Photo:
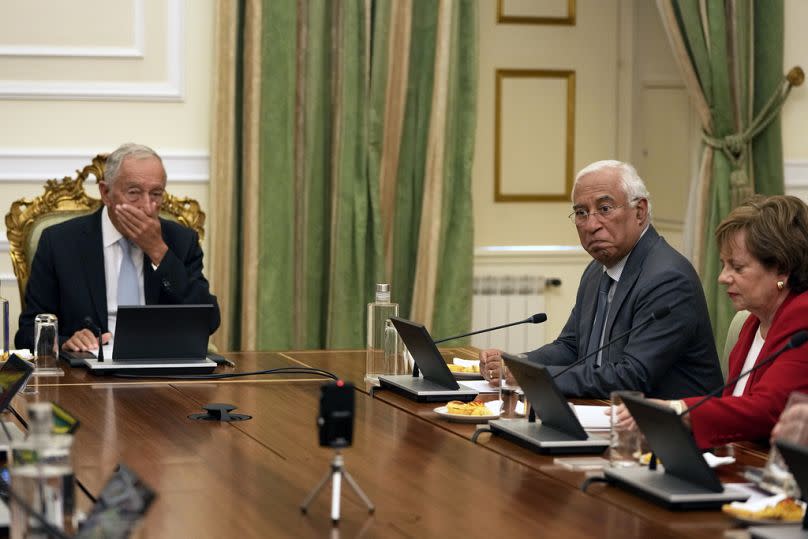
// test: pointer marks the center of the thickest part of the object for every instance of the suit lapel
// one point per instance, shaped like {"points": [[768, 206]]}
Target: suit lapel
{"points": [[91, 249], [631, 272], [774, 340]]}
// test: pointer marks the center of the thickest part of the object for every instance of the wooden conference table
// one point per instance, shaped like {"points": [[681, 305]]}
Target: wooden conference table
{"points": [[425, 476]]}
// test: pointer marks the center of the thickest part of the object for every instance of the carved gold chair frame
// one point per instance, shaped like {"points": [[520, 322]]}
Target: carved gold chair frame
{"points": [[66, 198]]}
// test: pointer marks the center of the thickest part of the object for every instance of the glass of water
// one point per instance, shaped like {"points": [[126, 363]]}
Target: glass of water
{"points": [[625, 444], [511, 397], [776, 477], [46, 345]]}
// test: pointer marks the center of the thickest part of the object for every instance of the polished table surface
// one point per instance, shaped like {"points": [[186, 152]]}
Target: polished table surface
{"points": [[423, 473]]}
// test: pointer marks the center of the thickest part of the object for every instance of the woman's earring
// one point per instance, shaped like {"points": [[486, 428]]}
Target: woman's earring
{"points": [[781, 285]]}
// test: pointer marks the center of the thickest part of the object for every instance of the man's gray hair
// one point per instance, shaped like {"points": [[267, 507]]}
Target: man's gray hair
{"points": [[130, 149], [632, 184]]}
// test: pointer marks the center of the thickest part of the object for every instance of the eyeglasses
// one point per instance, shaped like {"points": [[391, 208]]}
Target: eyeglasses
{"points": [[604, 212]]}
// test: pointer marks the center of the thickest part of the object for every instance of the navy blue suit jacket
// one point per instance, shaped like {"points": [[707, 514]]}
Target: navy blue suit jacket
{"points": [[67, 277], [670, 358]]}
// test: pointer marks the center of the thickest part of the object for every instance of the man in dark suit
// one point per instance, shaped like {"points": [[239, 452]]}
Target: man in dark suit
{"points": [[634, 273], [121, 254]]}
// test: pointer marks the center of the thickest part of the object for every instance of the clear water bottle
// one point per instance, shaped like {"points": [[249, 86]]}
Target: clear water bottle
{"points": [[41, 478], [384, 350]]}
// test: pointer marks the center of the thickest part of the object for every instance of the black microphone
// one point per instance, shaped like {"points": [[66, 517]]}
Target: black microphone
{"points": [[89, 324], [796, 340], [537, 318], [660, 313]]}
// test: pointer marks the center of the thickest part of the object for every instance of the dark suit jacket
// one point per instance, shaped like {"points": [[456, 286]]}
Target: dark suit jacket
{"points": [[673, 357], [67, 276], [753, 415]]}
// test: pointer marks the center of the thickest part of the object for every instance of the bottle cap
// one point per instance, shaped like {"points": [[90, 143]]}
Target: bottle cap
{"points": [[40, 415], [382, 292]]}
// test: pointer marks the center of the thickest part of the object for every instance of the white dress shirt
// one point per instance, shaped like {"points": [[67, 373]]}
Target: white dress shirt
{"points": [[113, 253], [751, 358]]}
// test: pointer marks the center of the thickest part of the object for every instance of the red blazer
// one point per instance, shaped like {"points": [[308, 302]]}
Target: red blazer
{"points": [[753, 415]]}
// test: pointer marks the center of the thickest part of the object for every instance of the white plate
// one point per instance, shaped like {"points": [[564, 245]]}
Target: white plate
{"points": [[441, 411], [765, 522]]}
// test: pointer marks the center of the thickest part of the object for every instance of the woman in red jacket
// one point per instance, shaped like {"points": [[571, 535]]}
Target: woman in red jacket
{"points": [[764, 255]]}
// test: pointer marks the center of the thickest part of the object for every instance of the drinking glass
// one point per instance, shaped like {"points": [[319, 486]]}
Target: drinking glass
{"points": [[46, 345], [776, 477], [511, 397], [625, 445]]}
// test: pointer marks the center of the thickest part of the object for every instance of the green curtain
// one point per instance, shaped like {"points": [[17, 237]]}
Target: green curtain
{"points": [[330, 161], [731, 55]]}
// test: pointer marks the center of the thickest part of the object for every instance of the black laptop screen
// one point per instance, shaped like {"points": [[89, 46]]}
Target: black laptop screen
{"points": [[161, 332], [13, 375]]}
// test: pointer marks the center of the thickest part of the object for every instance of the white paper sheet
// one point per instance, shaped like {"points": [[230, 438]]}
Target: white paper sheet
{"points": [[592, 417], [480, 386]]}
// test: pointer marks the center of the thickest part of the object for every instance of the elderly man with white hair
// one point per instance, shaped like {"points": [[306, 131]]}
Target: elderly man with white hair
{"points": [[634, 274], [122, 254]]}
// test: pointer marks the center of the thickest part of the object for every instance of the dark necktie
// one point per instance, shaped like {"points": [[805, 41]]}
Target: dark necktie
{"points": [[601, 311]]}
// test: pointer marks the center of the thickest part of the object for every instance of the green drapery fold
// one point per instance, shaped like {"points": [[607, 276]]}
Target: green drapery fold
{"points": [[336, 119], [457, 241], [732, 52]]}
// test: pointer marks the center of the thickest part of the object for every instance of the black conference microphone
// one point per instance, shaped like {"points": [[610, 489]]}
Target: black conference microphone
{"points": [[796, 340], [537, 318], [660, 313], [89, 324]]}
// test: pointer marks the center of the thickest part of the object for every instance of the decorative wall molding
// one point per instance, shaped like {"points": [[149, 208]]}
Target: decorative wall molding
{"points": [[527, 257], [170, 89], [796, 173], [662, 84], [40, 165], [56, 51]]}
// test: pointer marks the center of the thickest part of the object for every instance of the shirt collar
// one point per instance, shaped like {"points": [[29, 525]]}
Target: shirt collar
{"points": [[109, 234], [617, 270]]}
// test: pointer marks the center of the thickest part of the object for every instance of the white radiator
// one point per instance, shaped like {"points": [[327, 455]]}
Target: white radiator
{"points": [[503, 299]]}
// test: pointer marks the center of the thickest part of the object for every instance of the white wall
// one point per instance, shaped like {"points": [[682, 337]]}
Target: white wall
{"points": [[795, 111], [92, 74], [632, 105]]}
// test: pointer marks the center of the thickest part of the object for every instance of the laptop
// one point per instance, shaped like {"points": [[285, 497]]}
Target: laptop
{"points": [[560, 431], [14, 374], [687, 482], [157, 339], [796, 458], [438, 384]]}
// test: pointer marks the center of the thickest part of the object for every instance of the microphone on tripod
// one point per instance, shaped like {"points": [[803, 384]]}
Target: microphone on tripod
{"points": [[537, 318], [796, 340], [89, 324], [659, 314]]}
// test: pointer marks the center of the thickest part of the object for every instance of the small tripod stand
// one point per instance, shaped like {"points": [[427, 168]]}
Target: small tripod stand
{"points": [[335, 475]]}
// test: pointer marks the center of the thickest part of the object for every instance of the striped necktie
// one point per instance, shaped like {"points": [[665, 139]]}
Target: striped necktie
{"points": [[601, 311]]}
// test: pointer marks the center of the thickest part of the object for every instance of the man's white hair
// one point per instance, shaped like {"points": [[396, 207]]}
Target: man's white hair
{"points": [[114, 160], [630, 181]]}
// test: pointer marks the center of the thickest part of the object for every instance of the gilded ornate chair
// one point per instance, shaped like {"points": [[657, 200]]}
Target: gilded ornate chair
{"points": [[66, 198], [732, 337]]}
